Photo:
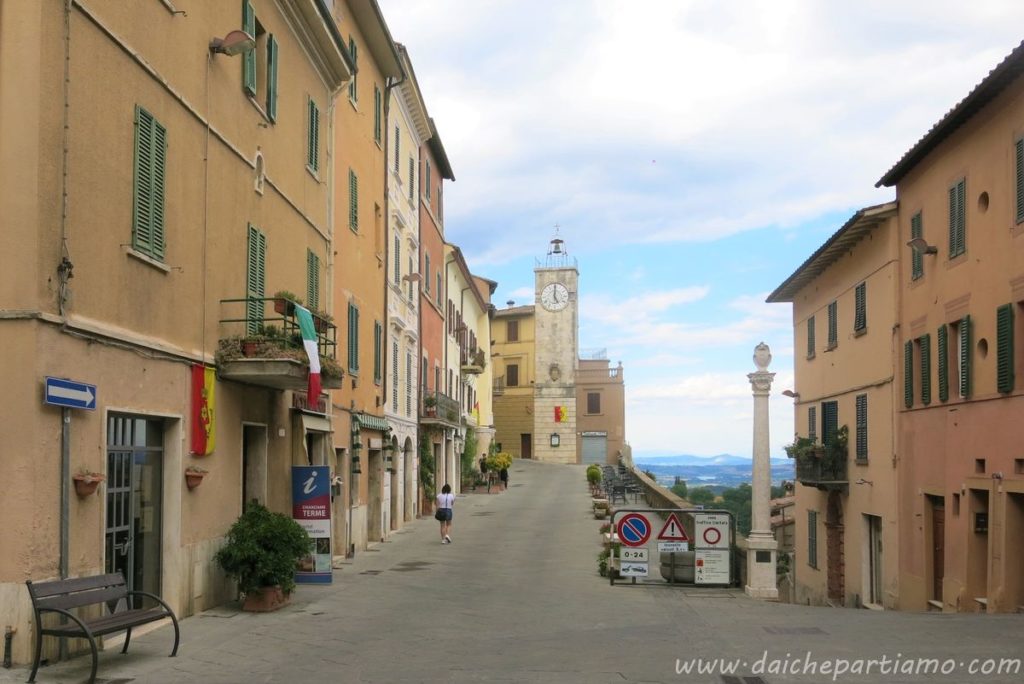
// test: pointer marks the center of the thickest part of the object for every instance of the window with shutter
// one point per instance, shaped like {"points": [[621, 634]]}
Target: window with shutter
{"points": [[353, 338], [426, 273], [908, 374], [512, 375], [249, 57], [957, 219], [812, 539], [427, 184], [377, 127], [833, 325], [312, 280], [810, 337], [353, 200], [829, 420], [965, 356], [272, 78], [943, 353], [150, 174], [313, 136], [353, 88], [398, 147], [1004, 348], [593, 402], [397, 273], [408, 383], [925, 342], [860, 316], [439, 295], [1020, 179], [812, 423], [412, 179], [378, 342], [394, 376], [512, 331], [862, 427], [916, 258], [255, 279]]}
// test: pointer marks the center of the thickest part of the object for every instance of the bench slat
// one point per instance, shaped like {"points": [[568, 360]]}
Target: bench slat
{"points": [[116, 622], [83, 598], [67, 586]]}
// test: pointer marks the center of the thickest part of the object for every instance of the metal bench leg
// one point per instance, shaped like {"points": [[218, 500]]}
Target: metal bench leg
{"points": [[39, 653], [177, 636], [127, 638], [95, 658]]}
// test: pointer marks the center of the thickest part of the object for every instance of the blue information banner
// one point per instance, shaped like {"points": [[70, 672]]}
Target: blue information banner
{"points": [[311, 508]]}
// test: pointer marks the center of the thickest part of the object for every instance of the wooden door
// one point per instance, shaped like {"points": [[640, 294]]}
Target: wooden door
{"points": [[939, 550], [526, 445]]}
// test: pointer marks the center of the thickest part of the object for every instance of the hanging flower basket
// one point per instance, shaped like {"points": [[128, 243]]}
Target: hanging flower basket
{"points": [[194, 476], [87, 483]]}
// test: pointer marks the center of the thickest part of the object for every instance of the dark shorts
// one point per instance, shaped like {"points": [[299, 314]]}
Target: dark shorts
{"points": [[447, 514]]}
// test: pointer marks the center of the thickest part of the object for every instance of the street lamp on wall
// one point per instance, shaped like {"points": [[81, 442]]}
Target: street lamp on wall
{"points": [[234, 43], [921, 246]]}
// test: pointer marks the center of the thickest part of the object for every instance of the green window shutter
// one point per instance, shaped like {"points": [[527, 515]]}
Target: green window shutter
{"points": [[812, 423], [833, 324], [408, 383], [810, 337], [829, 419], [426, 274], [860, 317], [965, 357], [926, 368], [427, 191], [150, 166], [255, 279], [312, 280], [353, 89], [916, 258], [943, 351], [357, 339], [398, 147], [313, 137], [1004, 348], [412, 179], [812, 539], [862, 427], [378, 335], [272, 78], [394, 376], [353, 200], [957, 219], [1020, 180], [351, 338], [398, 261], [249, 58], [908, 374], [376, 113]]}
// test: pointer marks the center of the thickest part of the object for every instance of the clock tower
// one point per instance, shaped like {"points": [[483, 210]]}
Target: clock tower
{"points": [[557, 354]]}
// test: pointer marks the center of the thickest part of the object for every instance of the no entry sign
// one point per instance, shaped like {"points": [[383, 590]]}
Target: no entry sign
{"points": [[634, 529]]}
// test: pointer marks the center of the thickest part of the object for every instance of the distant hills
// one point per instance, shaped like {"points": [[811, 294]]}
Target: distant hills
{"points": [[724, 470]]}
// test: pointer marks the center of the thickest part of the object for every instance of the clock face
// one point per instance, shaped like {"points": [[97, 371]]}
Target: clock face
{"points": [[554, 297]]}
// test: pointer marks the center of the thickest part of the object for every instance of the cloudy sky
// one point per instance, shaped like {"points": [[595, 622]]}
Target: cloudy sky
{"points": [[693, 153]]}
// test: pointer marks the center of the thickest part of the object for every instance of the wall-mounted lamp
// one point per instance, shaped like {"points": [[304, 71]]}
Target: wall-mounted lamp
{"points": [[863, 481], [556, 440], [235, 43], [791, 394], [921, 246], [412, 277]]}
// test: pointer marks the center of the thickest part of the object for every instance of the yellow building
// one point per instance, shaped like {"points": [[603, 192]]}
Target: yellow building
{"points": [[512, 335], [844, 326], [152, 202], [482, 411], [359, 273]]}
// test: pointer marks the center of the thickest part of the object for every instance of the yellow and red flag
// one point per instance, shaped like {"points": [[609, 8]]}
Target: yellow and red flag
{"points": [[203, 383], [561, 413]]}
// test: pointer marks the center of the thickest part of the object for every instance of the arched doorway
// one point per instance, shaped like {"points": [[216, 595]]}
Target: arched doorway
{"points": [[834, 540], [396, 491], [409, 476]]}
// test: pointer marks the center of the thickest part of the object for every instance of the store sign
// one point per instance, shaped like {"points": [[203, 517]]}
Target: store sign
{"points": [[311, 508]]}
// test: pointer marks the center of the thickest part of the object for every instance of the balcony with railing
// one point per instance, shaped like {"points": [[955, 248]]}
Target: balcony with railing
{"points": [[498, 386], [824, 468], [438, 409], [473, 363], [267, 350]]}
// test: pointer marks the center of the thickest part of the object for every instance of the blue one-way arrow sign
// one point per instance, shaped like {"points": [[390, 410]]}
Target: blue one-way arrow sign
{"points": [[70, 393]]}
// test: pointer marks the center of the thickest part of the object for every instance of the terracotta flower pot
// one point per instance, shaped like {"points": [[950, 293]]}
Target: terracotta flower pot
{"points": [[265, 600], [193, 479], [87, 483]]}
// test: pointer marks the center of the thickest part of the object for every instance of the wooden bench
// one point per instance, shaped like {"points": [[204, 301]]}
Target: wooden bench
{"points": [[60, 596]]}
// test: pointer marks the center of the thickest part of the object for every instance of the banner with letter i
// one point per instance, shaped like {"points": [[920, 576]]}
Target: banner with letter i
{"points": [[311, 508]]}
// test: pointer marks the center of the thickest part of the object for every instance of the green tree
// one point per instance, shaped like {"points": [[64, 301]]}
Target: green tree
{"points": [[738, 500], [679, 489], [778, 492], [701, 496], [469, 456]]}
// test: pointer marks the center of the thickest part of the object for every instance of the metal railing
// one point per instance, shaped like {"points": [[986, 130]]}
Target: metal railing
{"points": [[437, 405], [822, 468], [282, 328]]}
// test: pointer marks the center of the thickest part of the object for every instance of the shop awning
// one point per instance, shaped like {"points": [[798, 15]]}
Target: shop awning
{"points": [[371, 422]]}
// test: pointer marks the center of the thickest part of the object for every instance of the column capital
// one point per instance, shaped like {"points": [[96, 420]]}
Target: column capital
{"points": [[761, 381]]}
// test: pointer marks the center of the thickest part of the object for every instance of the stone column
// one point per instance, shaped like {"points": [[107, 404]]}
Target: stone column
{"points": [[761, 544]]}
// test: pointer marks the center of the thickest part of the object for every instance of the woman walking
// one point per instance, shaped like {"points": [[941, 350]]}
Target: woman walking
{"points": [[445, 501]]}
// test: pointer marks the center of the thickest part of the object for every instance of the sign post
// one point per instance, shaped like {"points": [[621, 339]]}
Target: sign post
{"points": [[311, 508]]}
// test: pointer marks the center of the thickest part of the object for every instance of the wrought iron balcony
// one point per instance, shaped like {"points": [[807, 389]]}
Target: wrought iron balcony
{"points": [[267, 350], [823, 468], [473, 363], [436, 408], [498, 386]]}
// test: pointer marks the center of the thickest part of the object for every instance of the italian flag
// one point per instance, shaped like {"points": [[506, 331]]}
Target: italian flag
{"points": [[309, 342]]}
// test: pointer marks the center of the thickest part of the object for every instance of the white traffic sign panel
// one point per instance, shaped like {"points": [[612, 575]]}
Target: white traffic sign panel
{"points": [[673, 547], [711, 530], [711, 566], [634, 529], [631, 569], [673, 530], [70, 394], [637, 555]]}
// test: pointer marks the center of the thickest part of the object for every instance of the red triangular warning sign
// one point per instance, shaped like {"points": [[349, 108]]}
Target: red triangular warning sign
{"points": [[673, 530]]}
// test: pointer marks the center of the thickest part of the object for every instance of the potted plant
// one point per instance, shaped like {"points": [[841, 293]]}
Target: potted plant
{"points": [[803, 448], [194, 476], [322, 321], [430, 405], [87, 481], [261, 551], [285, 301]]}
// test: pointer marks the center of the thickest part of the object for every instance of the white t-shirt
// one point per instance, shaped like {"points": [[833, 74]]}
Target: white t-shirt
{"points": [[445, 500]]}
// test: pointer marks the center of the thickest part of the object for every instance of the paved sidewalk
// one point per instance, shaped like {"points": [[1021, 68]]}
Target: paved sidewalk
{"points": [[517, 598]]}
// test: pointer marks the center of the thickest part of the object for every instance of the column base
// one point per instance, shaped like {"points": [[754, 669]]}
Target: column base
{"points": [[761, 560]]}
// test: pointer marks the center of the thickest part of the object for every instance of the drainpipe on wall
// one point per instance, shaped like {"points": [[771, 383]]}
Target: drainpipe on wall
{"points": [[388, 87]]}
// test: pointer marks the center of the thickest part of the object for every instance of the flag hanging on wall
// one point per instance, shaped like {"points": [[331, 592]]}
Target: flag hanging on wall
{"points": [[309, 342], [203, 384], [561, 413]]}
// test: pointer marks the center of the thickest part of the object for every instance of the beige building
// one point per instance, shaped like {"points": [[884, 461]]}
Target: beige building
{"points": [[482, 412], [600, 410], [844, 326], [151, 204], [960, 342], [512, 336]]}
